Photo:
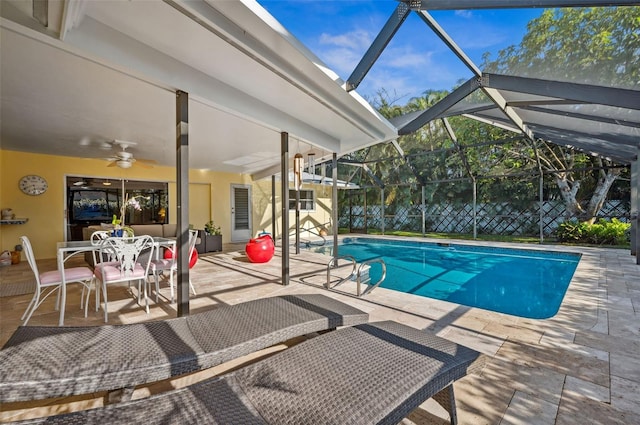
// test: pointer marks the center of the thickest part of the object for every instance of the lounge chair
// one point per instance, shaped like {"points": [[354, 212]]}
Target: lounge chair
{"points": [[373, 373], [44, 362]]}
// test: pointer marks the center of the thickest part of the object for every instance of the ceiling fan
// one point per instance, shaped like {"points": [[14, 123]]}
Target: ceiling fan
{"points": [[125, 159]]}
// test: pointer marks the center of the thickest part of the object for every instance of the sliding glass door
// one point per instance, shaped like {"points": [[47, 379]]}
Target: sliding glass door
{"points": [[93, 200]]}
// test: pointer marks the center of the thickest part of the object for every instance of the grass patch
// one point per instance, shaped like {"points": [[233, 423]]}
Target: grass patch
{"points": [[487, 238]]}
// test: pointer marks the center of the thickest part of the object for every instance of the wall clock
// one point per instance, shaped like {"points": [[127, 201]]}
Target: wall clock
{"points": [[33, 185]]}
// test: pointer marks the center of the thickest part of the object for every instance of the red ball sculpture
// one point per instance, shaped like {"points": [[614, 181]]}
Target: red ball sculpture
{"points": [[193, 257], [260, 249]]}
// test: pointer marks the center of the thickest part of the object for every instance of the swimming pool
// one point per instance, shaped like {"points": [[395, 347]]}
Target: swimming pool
{"points": [[521, 282]]}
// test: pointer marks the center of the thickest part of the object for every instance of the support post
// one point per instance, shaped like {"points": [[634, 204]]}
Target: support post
{"points": [[284, 196], [541, 189], [182, 178], [297, 221], [382, 208], [273, 208], [635, 207], [334, 205], [366, 223], [475, 208], [422, 205]]}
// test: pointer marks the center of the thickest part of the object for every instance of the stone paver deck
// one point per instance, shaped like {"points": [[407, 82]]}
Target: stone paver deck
{"points": [[581, 366]]}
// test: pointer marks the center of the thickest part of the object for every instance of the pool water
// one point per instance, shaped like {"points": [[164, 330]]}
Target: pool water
{"points": [[525, 283]]}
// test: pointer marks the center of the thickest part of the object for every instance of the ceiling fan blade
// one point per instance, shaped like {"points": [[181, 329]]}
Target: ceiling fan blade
{"points": [[112, 164], [143, 165], [148, 161]]}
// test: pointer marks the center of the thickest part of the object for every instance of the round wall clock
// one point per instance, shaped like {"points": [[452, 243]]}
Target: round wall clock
{"points": [[33, 185]]}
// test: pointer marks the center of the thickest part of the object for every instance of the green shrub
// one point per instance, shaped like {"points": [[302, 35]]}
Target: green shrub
{"points": [[612, 232], [603, 232], [571, 231]]}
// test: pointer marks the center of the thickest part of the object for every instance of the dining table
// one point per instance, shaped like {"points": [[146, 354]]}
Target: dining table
{"points": [[68, 249]]}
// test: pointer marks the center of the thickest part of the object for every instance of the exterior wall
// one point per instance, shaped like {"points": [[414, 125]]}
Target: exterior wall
{"points": [[46, 212], [311, 220]]}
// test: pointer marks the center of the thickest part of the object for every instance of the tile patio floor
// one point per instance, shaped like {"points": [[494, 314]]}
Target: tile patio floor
{"points": [[580, 367]]}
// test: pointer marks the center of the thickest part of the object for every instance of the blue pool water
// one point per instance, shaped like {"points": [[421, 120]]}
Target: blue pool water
{"points": [[525, 283]]}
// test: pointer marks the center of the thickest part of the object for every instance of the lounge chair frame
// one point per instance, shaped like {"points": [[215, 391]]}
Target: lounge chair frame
{"points": [[44, 362], [373, 373]]}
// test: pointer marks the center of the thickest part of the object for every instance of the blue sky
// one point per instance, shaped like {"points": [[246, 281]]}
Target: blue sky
{"points": [[340, 31]]}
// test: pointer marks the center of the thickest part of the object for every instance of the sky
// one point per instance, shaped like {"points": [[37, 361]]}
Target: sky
{"points": [[339, 32]]}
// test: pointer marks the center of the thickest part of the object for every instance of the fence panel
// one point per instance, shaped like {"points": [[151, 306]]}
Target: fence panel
{"points": [[498, 218]]}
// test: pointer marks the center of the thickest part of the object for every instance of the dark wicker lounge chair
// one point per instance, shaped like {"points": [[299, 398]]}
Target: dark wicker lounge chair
{"points": [[45, 362], [368, 374]]}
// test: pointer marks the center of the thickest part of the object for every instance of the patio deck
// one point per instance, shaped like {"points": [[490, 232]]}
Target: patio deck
{"points": [[581, 366]]}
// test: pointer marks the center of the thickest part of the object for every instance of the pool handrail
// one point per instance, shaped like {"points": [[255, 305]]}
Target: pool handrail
{"points": [[370, 287], [333, 264]]}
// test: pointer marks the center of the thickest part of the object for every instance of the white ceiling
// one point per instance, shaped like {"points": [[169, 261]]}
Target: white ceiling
{"points": [[109, 70]]}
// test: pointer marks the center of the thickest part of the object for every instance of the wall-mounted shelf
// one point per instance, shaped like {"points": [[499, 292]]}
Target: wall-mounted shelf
{"points": [[15, 221]]}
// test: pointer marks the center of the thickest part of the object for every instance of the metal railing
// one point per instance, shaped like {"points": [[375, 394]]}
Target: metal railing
{"points": [[370, 286], [357, 272], [333, 263]]}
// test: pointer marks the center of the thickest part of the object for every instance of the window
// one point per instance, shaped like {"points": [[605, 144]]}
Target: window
{"points": [[307, 200], [96, 200]]}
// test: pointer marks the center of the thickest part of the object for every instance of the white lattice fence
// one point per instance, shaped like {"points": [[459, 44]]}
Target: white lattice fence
{"points": [[491, 218]]}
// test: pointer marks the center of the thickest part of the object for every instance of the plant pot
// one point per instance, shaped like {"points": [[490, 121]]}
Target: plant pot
{"points": [[15, 257], [213, 243]]}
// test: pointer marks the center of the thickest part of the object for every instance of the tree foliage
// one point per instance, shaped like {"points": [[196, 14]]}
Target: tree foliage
{"points": [[590, 45], [598, 46]]}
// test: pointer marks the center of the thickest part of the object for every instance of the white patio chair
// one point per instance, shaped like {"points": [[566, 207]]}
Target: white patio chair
{"points": [[124, 267], [171, 265], [49, 282], [96, 240]]}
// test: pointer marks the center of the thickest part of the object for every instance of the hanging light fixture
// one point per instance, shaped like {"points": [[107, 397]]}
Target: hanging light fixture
{"points": [[311, 159], [106, 183], [298, 168], [123, 163]]}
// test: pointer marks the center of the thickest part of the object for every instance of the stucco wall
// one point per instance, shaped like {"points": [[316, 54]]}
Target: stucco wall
{"points": [[313, 220], [46, 212]]}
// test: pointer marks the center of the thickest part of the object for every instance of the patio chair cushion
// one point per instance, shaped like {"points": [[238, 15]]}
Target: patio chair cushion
{"points": [[111, 271], [72, 274]]}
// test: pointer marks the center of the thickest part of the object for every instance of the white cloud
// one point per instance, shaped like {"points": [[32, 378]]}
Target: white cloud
{"points": [[357, 40], [464, 13], [342, 61], [407, 58], [402, 70]]}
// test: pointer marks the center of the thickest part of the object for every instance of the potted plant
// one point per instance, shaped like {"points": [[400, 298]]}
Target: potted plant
{"points": [[16, 254], [213, 237]]}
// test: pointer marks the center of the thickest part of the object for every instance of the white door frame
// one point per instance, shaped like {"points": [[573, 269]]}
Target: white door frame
{"points": [[243, 232]]}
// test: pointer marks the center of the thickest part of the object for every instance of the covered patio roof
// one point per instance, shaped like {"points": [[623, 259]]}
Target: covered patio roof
{"points": [[77, 75]]}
